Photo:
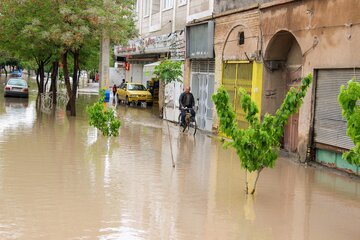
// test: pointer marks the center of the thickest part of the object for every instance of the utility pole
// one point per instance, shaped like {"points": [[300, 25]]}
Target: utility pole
{"points": [[104, 61], [104, 58]]}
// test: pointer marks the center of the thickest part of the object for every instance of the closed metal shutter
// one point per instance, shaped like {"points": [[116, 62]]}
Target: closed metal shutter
{"points": [[330, 127], [202, 87]]}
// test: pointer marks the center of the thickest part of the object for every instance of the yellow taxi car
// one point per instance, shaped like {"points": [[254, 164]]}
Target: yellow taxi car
{"points": [[134, 93]]}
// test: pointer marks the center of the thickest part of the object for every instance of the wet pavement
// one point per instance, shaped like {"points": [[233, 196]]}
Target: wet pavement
{"points": [[60, 179]]}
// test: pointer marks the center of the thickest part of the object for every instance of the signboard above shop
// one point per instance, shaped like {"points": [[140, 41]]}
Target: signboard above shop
{"points": [[172, 42], [200, 40]]}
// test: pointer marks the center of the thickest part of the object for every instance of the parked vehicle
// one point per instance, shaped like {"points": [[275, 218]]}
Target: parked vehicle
{"points": [[16, 87], [134, 93], [16, 73]]}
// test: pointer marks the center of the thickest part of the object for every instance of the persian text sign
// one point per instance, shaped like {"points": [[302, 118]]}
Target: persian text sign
{"points": [[173, 42]]}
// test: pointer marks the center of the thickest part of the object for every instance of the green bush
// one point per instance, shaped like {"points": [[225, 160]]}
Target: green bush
{"points": [[348, 99], [103, 119]]}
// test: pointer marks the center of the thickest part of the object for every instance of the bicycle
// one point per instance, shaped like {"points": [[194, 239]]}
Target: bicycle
{"points": [[190, 122]]}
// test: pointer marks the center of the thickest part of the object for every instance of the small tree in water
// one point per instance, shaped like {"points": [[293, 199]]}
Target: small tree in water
{"points": [[103, 119], [348, 99], [168, 71], [258, 145]]}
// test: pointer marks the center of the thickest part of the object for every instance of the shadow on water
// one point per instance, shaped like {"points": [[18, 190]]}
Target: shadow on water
{"points": [[61, 179]]}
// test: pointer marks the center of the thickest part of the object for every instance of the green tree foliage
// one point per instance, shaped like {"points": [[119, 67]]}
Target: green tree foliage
{"points": [[24, 32], [102, 118], [349, 101], [258, 145], [51, 30], [169, 71]]}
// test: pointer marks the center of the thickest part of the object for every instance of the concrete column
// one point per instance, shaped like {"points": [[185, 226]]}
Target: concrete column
{"points": [[104, 61], [104, 58], [187, 72]]}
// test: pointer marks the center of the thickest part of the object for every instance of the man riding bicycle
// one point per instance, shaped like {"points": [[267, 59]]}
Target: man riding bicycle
{"points": [[187, 103]]}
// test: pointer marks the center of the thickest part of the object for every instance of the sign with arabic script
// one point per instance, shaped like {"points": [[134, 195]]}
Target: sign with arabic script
{"points": [[172, 42]]}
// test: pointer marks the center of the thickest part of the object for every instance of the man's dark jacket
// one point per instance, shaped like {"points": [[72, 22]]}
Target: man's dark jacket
{"points": [[182, 100]]}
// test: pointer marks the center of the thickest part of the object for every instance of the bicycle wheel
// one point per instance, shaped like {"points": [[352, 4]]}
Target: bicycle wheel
{"points": [[181, 128], [193, 127]]}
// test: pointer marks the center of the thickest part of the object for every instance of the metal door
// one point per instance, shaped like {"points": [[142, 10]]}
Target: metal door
{"points": [[202, 87], [291, 130], [236, 75]]}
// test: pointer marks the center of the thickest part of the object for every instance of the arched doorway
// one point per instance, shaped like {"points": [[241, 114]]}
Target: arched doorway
{"points": [[283, 70]]}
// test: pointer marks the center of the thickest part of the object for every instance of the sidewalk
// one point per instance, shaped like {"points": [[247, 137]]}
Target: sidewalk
{"points": [[90, 88]]}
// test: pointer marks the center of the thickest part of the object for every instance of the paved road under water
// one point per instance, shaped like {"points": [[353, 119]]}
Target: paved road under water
{"points": [[60, 179]]}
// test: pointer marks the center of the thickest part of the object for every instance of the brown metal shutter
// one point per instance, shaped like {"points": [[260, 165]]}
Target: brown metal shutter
{"points": [[330, 127]]}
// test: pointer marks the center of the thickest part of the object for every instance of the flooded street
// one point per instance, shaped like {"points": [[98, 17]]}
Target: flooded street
{"points": [[61, 179]]}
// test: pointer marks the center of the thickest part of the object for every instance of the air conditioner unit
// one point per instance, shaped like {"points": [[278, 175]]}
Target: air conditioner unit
{"points": [[274, 65]]}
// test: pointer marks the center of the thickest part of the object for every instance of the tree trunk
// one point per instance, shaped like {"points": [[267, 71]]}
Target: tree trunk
{"points": [[47, 80], [251, 181], [71, 106], [37, 81], [53, 86], [161, 98], [67, 80], [6, 73], [42, 76]]}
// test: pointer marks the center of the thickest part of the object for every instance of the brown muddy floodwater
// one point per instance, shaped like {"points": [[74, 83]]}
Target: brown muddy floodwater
{"points": [[60, 179]]}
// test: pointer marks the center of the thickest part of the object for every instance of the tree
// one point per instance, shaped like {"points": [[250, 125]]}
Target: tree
{"points": [[349, 102], [102, 118], [259, 144], [24, 29], [83, 22], [168, 71], [50, 31]]}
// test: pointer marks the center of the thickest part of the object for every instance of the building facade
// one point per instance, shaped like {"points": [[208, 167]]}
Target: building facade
{"points": [[161, 26], [268, 46]]}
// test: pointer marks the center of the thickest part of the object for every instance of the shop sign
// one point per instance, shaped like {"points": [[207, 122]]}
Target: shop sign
{"points": [[173, 42]]}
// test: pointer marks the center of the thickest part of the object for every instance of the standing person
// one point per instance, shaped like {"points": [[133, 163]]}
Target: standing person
{"points": [[122, 84], [114, 90], [186, 100]]}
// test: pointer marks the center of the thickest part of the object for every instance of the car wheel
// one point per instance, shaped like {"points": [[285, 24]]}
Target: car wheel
{"points": [[127, 100], [149, 104]]}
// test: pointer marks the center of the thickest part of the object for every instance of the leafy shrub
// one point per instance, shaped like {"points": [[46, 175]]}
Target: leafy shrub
{"points": [[102, 118], [348, 99]]}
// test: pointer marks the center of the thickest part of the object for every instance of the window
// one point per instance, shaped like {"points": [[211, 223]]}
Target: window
{"points": [[182, 2], [155, 6], [136, 87], [146, 8], [167, 4]]}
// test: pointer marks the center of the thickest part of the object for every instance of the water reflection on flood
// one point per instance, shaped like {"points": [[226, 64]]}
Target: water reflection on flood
{"points": [[61, 179]]}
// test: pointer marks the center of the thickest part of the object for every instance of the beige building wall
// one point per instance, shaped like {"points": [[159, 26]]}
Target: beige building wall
{"points": [[226, 42], [328, 33]]}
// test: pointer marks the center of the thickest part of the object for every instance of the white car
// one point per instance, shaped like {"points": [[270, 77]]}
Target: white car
{"points": [[16, 87]]}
